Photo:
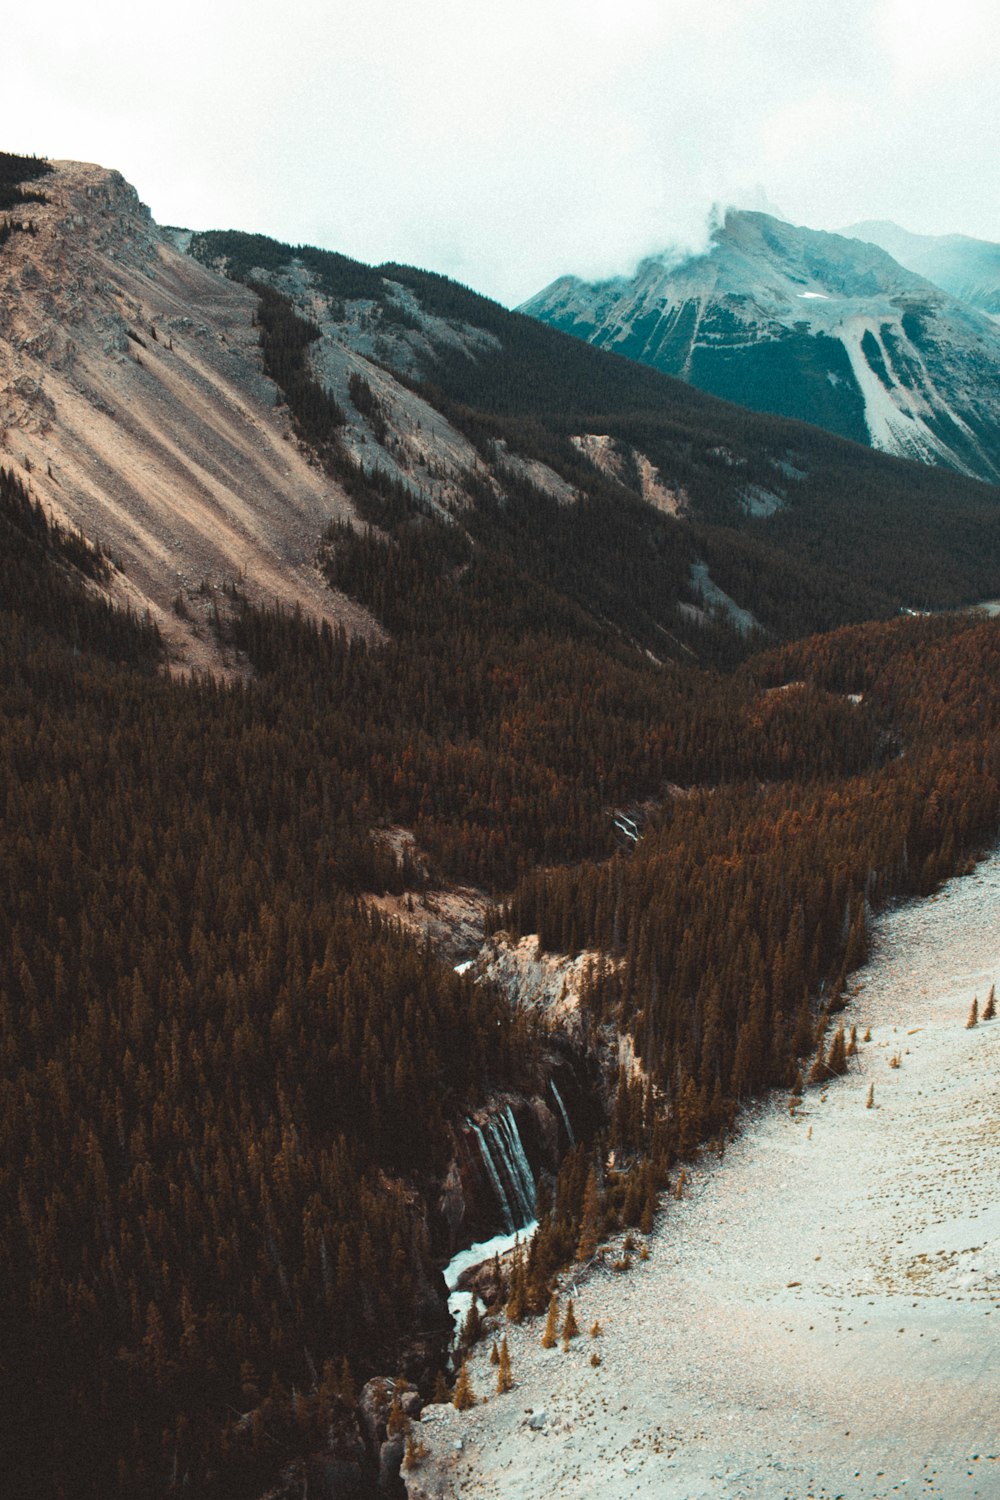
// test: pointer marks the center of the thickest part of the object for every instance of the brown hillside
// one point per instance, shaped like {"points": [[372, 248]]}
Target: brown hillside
{"points": [[131, 394]]}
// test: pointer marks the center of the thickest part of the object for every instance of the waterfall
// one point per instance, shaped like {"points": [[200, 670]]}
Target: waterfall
{"points": [[494, 1176], [507, 1168], [517, 1164], [562, 1111]]}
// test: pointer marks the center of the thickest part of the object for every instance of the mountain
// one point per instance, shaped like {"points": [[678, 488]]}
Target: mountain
{"points": [[131, 393], [133, 400], [966, 267], [351, 627], [813, 325], [797, 528]]}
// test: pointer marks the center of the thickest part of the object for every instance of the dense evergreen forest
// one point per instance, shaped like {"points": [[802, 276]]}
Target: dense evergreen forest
{"points": [[226, 1088], [859, 534]]}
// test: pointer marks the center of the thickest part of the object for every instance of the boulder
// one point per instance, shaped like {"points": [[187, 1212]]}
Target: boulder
{"points": [[373, 1411]]}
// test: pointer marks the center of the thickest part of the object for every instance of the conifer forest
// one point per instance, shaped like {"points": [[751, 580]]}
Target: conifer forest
{"points": [[228, 1087]]}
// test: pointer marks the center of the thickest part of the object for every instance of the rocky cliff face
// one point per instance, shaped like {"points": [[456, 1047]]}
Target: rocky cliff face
{"points": [[814, 326], [132, 400]]}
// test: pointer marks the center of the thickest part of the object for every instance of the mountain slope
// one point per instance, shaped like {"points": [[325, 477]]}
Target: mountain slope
{"points": [[135, 405], [802, 529], [131, 394], [239, 1107], [812, 325], [966, 267]]}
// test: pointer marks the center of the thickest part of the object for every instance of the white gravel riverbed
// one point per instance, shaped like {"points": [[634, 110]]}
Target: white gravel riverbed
{"points": [[820, 1315]]}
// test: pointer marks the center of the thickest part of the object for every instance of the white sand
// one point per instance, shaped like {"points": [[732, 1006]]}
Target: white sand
{"points": [[820, 1315]]}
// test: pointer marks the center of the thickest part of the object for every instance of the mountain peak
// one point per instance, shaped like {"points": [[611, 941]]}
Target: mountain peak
{"points": [[820, 326]]}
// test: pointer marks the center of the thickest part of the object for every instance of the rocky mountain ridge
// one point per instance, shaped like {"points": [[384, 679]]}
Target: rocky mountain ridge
{"points": [[132, 399], [134, 403], [966, 267], [812, 325]]}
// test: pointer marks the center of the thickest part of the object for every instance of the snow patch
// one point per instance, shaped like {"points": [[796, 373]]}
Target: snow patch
{"points": [[757, 501], [894, 424], [719, 602]]}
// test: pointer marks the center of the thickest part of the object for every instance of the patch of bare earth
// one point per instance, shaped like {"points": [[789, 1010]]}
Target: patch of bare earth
{"points": [[453, 918], [633, 469], [818, 1316], [132, 401]]}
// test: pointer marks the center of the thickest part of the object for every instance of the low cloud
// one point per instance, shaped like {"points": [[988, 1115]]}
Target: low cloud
{"points": [[508, 145]]}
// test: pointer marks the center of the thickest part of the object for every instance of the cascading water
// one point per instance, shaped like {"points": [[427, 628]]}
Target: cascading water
{"points": [[562, 1110], [517, 1164], [509, 1172], [507, 1167], [494, 1176]]}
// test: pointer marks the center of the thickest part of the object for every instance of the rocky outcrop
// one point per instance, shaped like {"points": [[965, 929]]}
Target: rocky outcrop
{"points": [[133, 405], [548, 984], [375, 1405]]}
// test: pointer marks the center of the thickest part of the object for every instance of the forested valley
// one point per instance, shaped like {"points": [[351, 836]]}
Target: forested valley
{"points": [[228, 1088]]}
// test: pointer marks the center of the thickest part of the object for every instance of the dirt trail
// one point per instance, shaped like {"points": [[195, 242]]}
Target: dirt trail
{"points": [[820, 1315]]}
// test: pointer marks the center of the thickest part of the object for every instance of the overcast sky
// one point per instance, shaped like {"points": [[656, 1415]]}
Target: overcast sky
{"points": [[507, 143]]}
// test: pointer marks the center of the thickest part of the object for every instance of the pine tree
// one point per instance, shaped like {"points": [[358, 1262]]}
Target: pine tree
{"points": [[973, 1015], [442, 1395], [505, 1379], [551, 1322], [463, 1396], [586, 1247], [515, 1308], [836, 1062], [818, 1072], [990, 1008], [397, 1420], [473, 1326], [415, 1451], [570, 1326]]}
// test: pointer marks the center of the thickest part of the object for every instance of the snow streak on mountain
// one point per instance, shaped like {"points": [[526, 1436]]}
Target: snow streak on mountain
{"points": [[811, 325]]}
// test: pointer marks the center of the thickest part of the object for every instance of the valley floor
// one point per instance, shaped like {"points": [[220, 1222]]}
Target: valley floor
{"points": [[820, 1315]]}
